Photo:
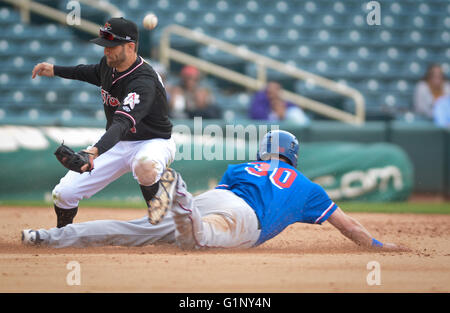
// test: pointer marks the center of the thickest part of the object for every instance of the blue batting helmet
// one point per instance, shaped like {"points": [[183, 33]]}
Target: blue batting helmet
{"points": [[279, 142]]}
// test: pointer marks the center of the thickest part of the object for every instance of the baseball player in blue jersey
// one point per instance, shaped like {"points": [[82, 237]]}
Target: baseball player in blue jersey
{"points": [[256, 201], [252, 203]]}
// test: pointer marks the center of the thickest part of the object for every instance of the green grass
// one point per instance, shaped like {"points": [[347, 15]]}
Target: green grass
{"points": [[371, 207]]}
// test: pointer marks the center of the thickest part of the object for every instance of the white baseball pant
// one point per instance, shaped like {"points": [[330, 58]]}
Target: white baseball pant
{"points": [[124, 157], [215, 219]]}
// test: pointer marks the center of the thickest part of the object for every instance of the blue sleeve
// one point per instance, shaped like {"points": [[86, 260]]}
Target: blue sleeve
{"points": [[226, 181], [439, 111], [318, 206]]}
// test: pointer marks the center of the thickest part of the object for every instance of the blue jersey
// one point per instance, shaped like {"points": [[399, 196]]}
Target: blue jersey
{"points": [[279, 194]]}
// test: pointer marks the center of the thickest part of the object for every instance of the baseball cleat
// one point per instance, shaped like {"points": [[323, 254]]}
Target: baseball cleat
{"points": [[162, 201], [30, 237]]}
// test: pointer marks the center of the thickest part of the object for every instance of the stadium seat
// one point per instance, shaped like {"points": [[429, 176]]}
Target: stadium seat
{"points": [[330, 38], [282, 6], [252, 6], [398, 86], [19, 99], [7, 80], [9, 48], [222, 6], [86, 99], [18, 63], [339, 7], [8, 16], [414, 69], [443, 38], [219, 57], [362, 53], [297, 20]]}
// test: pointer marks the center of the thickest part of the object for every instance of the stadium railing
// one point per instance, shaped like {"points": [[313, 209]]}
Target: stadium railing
{"points": [[262, 63]]}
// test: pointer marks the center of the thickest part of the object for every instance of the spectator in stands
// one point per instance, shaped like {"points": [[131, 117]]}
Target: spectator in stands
{"points": [[432, 86], [162, 71], [441, 111], [189, 99], [268, 105]]}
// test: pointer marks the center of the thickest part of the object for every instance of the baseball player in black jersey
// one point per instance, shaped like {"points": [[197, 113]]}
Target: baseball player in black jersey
{"points": [[138, 130]]}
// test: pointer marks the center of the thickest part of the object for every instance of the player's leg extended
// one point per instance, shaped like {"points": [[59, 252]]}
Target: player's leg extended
{"points": [[137, 232], [148, 165], [74, 187], [214, 219]]}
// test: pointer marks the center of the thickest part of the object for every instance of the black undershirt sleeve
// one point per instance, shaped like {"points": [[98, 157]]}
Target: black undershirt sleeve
{"points": [[120, 126], [87, 73]]}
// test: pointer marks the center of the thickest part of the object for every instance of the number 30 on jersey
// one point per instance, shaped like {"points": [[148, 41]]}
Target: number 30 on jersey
{"points": [[281, 177]]}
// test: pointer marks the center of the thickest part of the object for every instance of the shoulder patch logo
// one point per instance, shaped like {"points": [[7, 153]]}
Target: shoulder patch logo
{"points": [[131, 100]]}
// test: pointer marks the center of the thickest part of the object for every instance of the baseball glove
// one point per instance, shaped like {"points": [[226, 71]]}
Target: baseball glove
{"points": [[72, 160]]}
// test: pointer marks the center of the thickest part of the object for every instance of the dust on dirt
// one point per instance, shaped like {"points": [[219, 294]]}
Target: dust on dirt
{"points": [[304, 258]]}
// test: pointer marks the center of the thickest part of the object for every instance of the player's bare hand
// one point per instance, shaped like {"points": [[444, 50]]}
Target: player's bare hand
{"points": [[94, 154], [395, 247], [43, 69]]}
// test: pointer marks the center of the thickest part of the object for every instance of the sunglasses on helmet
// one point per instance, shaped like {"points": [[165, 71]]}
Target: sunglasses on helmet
{"points": [[106, 34]]}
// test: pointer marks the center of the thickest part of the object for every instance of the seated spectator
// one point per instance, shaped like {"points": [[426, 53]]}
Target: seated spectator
{"points": [[433, 86], [267, 105], [188, 99], [162, 71], [441, 112]]}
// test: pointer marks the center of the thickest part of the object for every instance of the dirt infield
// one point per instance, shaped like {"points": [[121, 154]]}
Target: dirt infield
{"points": [[304, 258]]}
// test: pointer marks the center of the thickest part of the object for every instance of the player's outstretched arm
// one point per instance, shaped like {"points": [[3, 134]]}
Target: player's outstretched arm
{"points": [[43, 69], [353, 230]]}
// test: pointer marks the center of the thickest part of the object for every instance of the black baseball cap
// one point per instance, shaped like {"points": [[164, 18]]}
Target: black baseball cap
{"points": [[117, 31]]}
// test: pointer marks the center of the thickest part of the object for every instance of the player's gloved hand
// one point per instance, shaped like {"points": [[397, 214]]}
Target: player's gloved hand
{"points": [[80, 162]]}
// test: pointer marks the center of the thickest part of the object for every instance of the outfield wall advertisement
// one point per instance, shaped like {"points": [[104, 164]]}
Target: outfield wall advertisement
{"points": [[348, 171]]}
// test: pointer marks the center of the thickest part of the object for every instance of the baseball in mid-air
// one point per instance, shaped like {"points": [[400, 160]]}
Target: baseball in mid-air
{"points": [[150, 21]]}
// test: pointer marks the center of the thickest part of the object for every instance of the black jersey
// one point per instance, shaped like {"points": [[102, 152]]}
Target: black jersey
{"points": [[134, 101]]}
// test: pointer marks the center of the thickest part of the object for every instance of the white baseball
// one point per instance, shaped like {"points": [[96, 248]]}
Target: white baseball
{"points": [[150, 21]]}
